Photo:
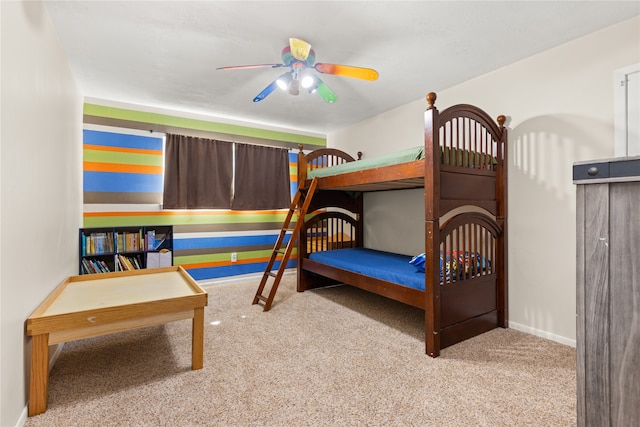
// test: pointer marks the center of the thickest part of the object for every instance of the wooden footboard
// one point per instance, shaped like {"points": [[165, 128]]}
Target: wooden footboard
{"points": [[469, 292]]}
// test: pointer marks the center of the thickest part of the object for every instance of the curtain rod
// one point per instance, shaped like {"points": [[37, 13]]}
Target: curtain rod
{"points": [[151, 128]]}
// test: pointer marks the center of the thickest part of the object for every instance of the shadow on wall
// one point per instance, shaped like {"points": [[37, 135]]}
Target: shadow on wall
{"points": [[35, 14], [542, 151], [544, 148]]}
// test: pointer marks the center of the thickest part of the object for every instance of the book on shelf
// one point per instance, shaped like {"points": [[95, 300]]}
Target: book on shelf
{"points": [[162, 244], [86, 268], [94, 266], [126, 266], [127, 263], [151, 240], [97, 243], [129, 241]]}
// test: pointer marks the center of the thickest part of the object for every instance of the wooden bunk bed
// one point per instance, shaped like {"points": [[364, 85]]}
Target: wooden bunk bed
{"points": [[462, 168]]}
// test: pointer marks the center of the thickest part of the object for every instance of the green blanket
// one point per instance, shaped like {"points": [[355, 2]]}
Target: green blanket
{"points": [[449, 156], [408, 155]]}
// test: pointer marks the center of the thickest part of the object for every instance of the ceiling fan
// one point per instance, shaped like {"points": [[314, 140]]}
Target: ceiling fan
{"points": [[301, 60]]}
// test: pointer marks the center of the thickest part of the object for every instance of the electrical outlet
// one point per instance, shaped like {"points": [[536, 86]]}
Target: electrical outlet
{"points": [[234, 257]]}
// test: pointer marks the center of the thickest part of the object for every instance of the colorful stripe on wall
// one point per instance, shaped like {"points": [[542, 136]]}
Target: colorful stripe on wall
{"points": [[201, 125], [293, 168], [123, 187], [204, 240], [115, 165]]}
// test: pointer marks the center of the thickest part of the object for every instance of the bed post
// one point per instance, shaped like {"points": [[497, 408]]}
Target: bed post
{"points": [[432, 226], [302, 165], [501, 219], [301, 282]]}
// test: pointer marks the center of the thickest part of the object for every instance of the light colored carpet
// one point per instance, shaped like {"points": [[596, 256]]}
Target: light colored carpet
{"points": [[330, 357]]}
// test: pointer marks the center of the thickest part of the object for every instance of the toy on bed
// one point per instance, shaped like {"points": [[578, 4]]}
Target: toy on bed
{"points": [[455, 264]]}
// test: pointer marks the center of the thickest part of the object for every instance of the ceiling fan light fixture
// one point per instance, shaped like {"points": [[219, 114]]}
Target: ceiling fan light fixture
{"points": [[307, 81], [313, 89], [284, 81], [294, 87]]}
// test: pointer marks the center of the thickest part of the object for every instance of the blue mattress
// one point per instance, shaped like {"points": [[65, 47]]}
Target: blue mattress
{"points": [[370, 262]]}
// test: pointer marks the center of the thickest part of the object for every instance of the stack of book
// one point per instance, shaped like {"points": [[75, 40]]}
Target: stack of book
{"points": [[126, 263], [91, 266]]}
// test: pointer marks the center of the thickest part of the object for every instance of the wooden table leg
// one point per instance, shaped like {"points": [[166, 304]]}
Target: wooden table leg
{"points": [[197, 339], [39, 381]]}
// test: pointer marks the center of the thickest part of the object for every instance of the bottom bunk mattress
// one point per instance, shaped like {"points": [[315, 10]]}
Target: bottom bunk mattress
{"points": [[382, 265]]}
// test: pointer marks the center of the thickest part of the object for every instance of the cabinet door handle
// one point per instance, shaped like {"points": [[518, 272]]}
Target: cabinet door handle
{"points": [[592, 171]]}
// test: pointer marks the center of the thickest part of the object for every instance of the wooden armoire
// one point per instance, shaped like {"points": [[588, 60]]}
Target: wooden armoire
{"points": [[608, 291]]}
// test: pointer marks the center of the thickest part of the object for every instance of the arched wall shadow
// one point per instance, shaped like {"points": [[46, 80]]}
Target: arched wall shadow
{"points": [[542, 225]]}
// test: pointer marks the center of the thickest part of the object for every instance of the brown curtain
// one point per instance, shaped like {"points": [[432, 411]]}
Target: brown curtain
{"points": [[198, 173], [262, 178]]}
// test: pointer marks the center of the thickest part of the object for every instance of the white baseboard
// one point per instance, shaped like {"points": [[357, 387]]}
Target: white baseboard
{"points": [[543, 334], [23, 416], [239, 278]]}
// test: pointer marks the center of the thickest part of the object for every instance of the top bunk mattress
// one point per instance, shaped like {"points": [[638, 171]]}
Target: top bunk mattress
{"points": [[403, 156], [449, 156]]}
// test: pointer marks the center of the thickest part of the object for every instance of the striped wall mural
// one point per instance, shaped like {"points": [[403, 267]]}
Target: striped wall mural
{"points": [[123, 187], [121, 168]]}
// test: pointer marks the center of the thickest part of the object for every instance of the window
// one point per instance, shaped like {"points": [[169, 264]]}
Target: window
{"points": [[262, 179], [198, 173]]}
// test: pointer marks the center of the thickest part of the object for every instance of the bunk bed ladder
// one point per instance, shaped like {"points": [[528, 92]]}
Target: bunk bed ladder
{"points": [[286, 252]]}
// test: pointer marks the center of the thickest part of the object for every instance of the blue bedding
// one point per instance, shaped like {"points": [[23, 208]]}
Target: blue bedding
{"points": [[370, 262]]}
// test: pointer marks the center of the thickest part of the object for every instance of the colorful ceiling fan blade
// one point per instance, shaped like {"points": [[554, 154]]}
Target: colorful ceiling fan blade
{"points": [[247, 67], [347, 71], [299, 48], [326, 93], [266, 91]]}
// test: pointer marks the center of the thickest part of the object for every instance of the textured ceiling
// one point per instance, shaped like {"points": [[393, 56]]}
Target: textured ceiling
{"points": [[165, 54]]}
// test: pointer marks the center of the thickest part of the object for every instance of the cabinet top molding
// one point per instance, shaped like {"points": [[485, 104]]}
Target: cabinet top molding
{"points": [[607, 170]]}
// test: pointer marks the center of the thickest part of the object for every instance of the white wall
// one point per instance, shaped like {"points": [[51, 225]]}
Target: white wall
{"points": [[40, 185], [560, 110]]}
